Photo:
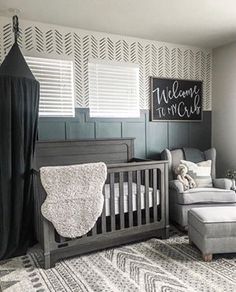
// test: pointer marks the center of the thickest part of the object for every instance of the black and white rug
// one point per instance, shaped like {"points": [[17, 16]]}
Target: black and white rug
{"points": [[154, 265]]}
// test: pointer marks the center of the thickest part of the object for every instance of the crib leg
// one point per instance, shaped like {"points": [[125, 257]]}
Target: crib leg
{"points": [[165, 233], [48, 262], [48, 232]]}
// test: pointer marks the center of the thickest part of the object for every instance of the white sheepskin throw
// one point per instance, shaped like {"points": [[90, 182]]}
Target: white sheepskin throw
{"points": [[74, 196]]}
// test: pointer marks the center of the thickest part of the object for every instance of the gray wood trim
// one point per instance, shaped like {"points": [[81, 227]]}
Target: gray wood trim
{"points": [[112, 202], [154, 197], [130, 198], [121, 196], [82, 151], [104, 225], [138, 199], [147, 215]]}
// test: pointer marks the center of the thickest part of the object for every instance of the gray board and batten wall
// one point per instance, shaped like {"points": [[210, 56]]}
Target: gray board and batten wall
{"points": [[150, 137]]}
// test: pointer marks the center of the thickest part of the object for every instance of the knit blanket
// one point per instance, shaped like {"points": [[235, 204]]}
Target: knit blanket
{"points": [[74, 197]]}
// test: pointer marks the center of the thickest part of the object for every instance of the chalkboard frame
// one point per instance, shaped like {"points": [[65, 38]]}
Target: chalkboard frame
{"points": [[177, 120]]}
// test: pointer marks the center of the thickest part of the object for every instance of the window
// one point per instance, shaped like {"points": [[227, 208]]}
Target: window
{"points": [[56, 86], [113, 89]]}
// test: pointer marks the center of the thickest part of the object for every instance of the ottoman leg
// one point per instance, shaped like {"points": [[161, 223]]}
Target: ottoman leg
{"points": [[207, 257]]}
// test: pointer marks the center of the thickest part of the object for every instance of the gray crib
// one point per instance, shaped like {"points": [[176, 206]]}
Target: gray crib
{"points": [[128, 215]]}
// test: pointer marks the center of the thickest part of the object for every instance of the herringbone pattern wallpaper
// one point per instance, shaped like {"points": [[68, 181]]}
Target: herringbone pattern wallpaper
{"points": [[154, 58]]}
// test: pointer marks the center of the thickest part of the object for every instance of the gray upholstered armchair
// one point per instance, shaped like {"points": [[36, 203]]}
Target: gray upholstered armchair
{"points": [[182, 201]]}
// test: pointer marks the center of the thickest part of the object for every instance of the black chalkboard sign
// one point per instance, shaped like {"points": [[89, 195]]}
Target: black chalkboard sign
{"points": [[176, 100]]}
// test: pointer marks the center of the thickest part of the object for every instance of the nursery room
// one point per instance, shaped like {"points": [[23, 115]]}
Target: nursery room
{"points": [[117, 145]]}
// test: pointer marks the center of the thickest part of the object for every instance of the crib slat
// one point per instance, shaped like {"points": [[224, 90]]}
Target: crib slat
{"points": [[121, 199], [154, 195], [162, 190], [130, 199], [138, 202], [147, 196], [112, 202], [104, 229], [94, 229]]}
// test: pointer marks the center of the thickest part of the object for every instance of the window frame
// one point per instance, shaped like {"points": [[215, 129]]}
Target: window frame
{"points": [[116, 116], [36, 56]]}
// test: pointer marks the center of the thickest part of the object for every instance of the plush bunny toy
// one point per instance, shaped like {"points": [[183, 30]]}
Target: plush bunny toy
{"points": [[182, 175]]}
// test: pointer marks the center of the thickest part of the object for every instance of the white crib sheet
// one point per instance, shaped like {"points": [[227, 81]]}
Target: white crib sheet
{"points": [[134, 194]]}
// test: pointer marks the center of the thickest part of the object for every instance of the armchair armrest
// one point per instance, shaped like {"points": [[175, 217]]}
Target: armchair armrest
{"points": [[222, 183], [176, 185]]}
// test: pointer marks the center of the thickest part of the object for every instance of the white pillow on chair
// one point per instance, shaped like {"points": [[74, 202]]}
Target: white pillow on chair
{"points": [[200, 172]]}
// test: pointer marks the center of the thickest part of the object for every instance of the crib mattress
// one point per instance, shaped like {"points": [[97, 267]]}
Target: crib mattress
{"points": [[134, 195]]}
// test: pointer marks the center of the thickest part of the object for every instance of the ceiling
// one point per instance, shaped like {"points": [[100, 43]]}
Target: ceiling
{"points": [[204, 23]]}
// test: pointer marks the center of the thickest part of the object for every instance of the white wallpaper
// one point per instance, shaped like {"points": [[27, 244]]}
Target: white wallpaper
{"points": [[154, 58]]}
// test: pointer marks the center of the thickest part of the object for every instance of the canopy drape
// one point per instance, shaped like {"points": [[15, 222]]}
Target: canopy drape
{"points": [[19, 102]]}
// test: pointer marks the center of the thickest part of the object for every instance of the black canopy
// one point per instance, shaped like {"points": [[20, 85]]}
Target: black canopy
{"points": [[14, 64], [19, 100]]}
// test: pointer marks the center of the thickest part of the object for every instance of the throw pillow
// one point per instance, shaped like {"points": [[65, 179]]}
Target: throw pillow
{"points": [[200, 172]]}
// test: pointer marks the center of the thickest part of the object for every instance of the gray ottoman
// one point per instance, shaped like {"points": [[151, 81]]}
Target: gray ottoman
{"points": [[213, 230]]}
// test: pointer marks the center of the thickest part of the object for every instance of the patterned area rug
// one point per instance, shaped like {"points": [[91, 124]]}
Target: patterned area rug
{"points": [[154, 265]]}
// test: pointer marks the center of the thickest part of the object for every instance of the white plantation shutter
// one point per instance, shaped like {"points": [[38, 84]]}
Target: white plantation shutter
{"points": [[56, 86], [113, 89]]}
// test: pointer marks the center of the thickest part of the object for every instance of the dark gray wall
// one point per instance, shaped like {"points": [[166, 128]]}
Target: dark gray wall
{"points": [[151, 137]]}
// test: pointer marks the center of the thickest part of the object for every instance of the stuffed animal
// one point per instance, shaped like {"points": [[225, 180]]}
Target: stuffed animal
{"points": [[183, 176]]}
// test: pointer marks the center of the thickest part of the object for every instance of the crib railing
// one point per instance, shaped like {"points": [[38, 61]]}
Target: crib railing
{"points": [[130, 174], [146, 213]]}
